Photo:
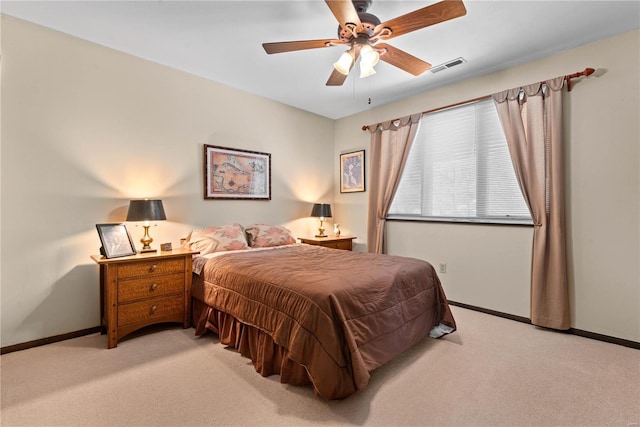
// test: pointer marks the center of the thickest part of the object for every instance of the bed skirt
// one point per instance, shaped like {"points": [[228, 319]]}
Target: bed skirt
{"points": [[268, 357]]}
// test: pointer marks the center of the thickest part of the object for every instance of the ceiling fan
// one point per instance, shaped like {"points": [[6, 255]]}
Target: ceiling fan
{"points": [[363, 34]]}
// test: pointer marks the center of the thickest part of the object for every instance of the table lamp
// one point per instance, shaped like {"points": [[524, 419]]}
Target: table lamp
{"points": [[322, 211], [146, 210]]}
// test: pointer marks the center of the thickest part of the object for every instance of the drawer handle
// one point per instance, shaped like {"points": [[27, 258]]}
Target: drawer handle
{"points": [[153, 267], [153, 287], [153, 309]]}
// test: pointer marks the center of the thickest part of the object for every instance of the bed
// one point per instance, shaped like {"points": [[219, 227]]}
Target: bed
{"points": [[315, 315]]}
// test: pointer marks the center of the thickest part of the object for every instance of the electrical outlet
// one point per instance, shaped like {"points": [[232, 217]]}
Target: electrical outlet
{"points": [[443, 267]]}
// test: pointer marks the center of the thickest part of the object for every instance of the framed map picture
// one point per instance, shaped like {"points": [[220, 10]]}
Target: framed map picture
{"points": [[352, 172], [230, 173]]}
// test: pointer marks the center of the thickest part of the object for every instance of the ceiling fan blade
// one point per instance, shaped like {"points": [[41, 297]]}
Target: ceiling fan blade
{"points": [[403, 60], [279, 47], [345, 12], [336, 78], [421, 18]]}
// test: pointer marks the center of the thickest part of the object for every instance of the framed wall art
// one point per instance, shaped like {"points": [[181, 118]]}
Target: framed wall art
{"points": [[116, 240], [352, 172], [231, 173]]}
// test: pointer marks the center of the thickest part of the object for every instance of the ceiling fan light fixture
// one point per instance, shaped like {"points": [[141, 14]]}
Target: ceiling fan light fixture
{"points": [[366, 71], [362, 31], [343, 65], [369, 57]]}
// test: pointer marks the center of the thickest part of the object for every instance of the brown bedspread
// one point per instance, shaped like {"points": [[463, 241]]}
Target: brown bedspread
{"points": [[339, 314]]}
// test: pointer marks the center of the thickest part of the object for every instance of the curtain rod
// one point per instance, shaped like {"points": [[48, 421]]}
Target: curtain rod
{"points": [[586, 72]]}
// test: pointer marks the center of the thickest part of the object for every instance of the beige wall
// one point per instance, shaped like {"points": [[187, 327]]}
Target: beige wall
{"points": [[86, 128], [489, 266]]}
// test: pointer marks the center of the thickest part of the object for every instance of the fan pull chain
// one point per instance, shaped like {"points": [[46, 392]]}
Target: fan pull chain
{"points": [[353, 95]]}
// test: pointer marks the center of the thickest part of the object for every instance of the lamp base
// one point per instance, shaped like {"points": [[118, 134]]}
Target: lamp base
{"points": [[146, 241]]}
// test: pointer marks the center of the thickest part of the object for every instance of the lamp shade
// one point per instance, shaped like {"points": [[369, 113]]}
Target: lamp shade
{"points": [[146, 210], [321, 210]]}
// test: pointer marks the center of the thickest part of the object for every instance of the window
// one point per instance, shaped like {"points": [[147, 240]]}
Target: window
{"points": [[459, 169]]}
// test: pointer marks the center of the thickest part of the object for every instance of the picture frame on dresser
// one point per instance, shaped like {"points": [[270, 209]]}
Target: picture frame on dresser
{"points": [[116, 240], [352, 178], [231, 173]]}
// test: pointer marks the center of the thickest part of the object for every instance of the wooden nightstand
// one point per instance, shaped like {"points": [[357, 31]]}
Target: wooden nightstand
{"points": [[345, 243], [142, 290]]}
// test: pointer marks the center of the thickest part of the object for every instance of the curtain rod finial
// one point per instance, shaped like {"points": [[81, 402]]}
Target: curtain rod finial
{"points": [[587, 72]]}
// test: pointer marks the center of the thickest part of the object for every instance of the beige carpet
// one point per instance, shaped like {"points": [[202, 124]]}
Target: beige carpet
{"points": [[491, 372]]}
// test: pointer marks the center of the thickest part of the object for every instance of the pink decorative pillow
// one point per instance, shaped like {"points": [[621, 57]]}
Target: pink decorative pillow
{"points": [[218, 239], [265, 236]]}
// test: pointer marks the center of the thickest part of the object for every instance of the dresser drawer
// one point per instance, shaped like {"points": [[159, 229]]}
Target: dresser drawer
{"points": [[344, 245], [149, 268], [339, 244], [149, 310], [149, 287]]}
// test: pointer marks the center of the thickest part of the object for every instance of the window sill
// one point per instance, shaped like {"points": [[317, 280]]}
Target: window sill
{"points": [[483, 221]]}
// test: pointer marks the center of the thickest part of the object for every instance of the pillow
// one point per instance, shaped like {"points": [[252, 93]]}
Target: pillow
{"points": [[218, 239], [265, 236]]}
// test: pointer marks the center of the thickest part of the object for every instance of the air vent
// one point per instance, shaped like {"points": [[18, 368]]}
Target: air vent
{"points": [[447, 65]]}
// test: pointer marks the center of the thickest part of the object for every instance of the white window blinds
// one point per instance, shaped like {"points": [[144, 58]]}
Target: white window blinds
{"points": [[459, 169]]}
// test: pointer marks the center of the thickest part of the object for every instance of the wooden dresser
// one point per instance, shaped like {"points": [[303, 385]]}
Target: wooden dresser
{"points": [[142, 290], [345, 243]]}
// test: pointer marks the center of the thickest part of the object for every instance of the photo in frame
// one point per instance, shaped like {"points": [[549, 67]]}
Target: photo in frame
{"points": [[231, 173], [116, 240], [352, 172]]}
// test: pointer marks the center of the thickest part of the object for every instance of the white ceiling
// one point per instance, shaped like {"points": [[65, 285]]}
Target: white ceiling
{"points": [[221, 41]]}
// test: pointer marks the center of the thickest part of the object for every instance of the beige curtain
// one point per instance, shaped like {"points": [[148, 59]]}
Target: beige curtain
{"points": [[532, 120], [390, 144]]}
